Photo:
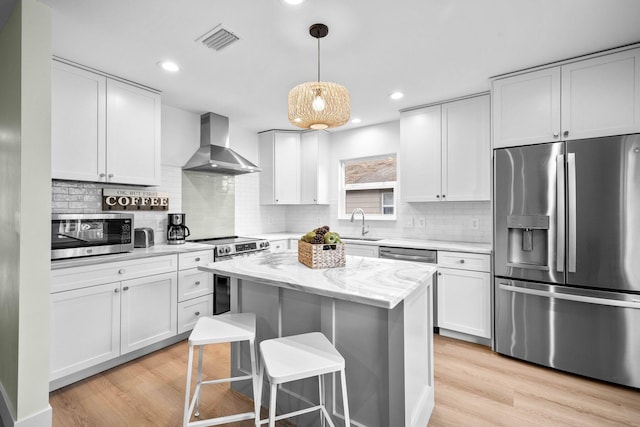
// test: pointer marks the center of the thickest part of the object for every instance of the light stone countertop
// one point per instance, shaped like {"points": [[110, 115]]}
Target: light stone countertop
{"points": [[440, 245], [156, 250], [378, 282]]}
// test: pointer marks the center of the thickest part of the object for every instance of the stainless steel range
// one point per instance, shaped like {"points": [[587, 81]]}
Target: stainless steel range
{"points": [[226, 248]]}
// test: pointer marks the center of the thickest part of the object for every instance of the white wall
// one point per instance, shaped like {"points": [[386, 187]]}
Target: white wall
{"points": [[25, 174]]}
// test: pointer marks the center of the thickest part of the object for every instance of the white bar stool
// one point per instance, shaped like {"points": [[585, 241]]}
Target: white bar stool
{"points": [[297, 357], [214, 330]]}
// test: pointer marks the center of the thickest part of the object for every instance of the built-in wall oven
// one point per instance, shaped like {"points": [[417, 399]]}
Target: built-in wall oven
{"points": [[227, 248], [427, 256]]}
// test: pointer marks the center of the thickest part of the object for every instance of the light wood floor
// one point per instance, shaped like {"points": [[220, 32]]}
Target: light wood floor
{"points": [[474, 387]]}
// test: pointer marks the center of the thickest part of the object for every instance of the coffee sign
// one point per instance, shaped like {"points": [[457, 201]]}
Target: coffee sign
{"points": [[134, 200]]}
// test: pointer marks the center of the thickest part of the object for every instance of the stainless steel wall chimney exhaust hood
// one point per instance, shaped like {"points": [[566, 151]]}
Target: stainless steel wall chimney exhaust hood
{"points": [[213, 156]]}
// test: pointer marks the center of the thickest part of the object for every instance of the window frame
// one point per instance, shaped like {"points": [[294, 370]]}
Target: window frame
{"points": [[343, 188]]}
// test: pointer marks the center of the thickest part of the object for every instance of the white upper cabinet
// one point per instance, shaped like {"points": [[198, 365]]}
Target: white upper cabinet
{"points": [[601, 96], [420, 155], [594, 97], [466, 149], [78, 123], [446, 152], [103, 130], [280, 162], [133, 134], [526, 108], [295, 167], [314, 168]]}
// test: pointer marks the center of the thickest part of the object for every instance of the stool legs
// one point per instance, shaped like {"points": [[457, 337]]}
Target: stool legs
{"points": [[188, 389], [345, 400], [257, 386], [199, 383]]}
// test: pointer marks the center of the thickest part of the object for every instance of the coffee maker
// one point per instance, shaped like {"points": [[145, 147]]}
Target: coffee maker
{"points": [[177, 232]]}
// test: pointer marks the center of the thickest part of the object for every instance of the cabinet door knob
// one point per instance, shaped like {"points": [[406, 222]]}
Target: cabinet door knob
{"points": [[122, 271], [110, 175], [197, 313], [556, 134], [439, 274], [197, 283], [101, 175], [437, 196], [566, 133], [198, 259], [444, 195], [116, 290], [126, 288], [461, 261]]}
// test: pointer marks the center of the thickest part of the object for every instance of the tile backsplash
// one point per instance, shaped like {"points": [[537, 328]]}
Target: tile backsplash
{"points": [[86, 197]]}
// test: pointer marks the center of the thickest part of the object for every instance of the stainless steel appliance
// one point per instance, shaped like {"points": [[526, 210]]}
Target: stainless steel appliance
{"points": [[177, 231], [77, 235], [143, 237], [228, 248], [567, 256], [417, 255]]}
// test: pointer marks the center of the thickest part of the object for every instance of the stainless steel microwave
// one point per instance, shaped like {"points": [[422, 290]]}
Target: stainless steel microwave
{"points": [[78, 235]]}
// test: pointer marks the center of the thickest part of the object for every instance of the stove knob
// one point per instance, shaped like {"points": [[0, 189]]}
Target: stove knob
{"points": [[227, 249], [266, 244]]}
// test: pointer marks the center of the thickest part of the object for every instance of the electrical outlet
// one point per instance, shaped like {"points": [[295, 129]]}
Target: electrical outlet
{"points": [[421, 222], [475, 223]]}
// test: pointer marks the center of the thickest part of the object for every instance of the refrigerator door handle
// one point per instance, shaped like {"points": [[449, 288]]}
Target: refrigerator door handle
{"points": [[570, 297], [571, 207], [560, 218]]}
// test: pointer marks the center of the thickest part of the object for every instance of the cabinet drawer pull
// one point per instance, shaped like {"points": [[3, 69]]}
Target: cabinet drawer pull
{"points": [[197, 283], [110, 175], [556, 134], [198, 259], [101, 175], [197, 313], [126, 288], [439, 274], [122, 271], [437, 196], [461, 261], [116, 290], [566, 133]]}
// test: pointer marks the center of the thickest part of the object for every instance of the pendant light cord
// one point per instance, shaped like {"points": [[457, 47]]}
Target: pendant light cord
{"points": [[318, 60]]}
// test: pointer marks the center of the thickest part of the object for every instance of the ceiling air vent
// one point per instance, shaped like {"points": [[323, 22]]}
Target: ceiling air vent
{"points": [[218, 38]]}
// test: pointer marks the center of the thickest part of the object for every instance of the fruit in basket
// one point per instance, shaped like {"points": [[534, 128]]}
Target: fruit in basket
{"points": [[332, 238], [321, 235]]}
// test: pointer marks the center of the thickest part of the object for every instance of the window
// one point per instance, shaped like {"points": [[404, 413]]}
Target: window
{"points": [[369, 183]]}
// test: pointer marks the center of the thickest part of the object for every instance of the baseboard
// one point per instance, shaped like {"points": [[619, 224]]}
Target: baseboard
{"points": [[7, 418], [464, 337]]}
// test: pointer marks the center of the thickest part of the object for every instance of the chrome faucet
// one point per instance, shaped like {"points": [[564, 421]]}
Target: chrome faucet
{"points": [[362, 212]]}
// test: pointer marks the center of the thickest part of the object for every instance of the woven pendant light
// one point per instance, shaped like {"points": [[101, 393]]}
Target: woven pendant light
{"points": [[319, 105]]}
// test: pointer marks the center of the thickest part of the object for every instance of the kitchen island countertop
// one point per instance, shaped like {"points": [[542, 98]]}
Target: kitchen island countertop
{"points": [[377, 282]]}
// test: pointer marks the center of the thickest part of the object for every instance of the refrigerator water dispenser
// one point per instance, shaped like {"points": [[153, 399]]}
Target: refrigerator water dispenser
{"points": [[528, 241]]}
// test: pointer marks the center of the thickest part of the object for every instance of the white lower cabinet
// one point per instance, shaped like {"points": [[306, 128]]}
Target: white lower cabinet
{"points": [[149, 311], [190, 311], [279, 245], [464, 293], [85, 328], [102, 311]]}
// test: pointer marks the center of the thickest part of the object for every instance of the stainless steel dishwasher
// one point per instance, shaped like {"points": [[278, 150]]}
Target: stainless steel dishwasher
{"points": [[427, 256]]}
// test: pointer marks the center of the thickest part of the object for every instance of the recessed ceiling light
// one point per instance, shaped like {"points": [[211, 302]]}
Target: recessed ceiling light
{"points": [[396, 95], [169, 66], [293, 2], [356, 120]]}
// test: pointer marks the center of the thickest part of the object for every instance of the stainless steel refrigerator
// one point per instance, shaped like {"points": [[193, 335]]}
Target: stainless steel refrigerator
{"points": [[567, 256]]}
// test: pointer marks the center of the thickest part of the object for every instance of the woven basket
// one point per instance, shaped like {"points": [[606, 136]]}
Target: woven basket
{"points": [[321, 255]]}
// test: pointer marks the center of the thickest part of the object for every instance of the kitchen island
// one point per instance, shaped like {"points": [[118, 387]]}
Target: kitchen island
{"points": [[377, 312]]}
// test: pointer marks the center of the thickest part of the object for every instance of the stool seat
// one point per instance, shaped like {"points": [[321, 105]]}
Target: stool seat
{"points": [[225, 328], [299, 356]]}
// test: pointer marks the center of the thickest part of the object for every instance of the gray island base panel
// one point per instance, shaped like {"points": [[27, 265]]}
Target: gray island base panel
{"points": [[376, 312]]}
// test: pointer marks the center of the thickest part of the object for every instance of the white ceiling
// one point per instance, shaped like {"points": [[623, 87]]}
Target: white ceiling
{"points": [[431, 49]]}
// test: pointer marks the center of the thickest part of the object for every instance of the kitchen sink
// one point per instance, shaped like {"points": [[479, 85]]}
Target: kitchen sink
{"points": [[367, 239]]}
